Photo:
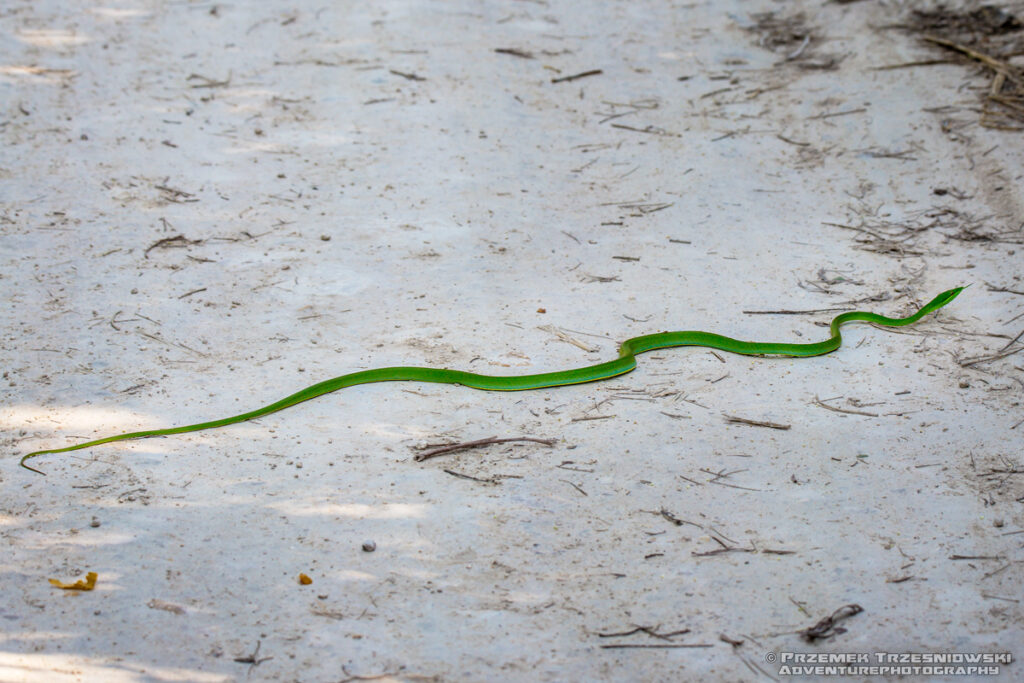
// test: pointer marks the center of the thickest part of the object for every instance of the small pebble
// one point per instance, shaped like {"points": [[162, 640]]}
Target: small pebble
{"points": [[369, 546], [94, 523]]}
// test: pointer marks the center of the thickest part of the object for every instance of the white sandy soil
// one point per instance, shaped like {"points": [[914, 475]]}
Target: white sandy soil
{"points": [[207, 206]]}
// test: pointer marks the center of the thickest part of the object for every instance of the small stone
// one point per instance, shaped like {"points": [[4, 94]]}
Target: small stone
{"points": [[95, 522], [369, 546]]}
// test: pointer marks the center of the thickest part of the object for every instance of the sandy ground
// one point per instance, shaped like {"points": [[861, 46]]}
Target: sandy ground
{"points": [[206, 206]]}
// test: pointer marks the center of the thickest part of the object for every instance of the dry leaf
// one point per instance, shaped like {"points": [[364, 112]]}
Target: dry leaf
{"points": [[86, 584]]}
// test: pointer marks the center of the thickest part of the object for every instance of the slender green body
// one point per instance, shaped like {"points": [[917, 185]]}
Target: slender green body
{"points": [[626, 362]]}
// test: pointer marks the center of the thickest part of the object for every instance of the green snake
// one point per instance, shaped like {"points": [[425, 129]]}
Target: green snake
{"points": [[626, 362]]}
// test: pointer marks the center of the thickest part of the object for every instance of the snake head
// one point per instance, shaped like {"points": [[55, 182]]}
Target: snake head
{"points": [[944, 298]]}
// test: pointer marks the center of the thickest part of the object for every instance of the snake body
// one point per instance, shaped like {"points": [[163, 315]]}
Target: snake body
{"points": [[626, 362]]}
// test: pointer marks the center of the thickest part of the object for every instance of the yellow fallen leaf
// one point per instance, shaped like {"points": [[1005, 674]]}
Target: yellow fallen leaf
{"points": [[86, 584], [305, 580]]}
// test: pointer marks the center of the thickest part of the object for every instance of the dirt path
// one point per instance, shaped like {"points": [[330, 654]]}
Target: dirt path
{"points": [[204, 207]]}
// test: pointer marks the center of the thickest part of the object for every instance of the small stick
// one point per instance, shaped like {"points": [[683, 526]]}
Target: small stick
{"points": [[818, 401], [905, 65], [985, 359], [174, 191], [715, 92], [209, 82], [719, 551], [754, 423], [523, 54], [1004, 289], [992, 573], [730, 485], [653, 130], [176, 241], [786, 311], [800, 606], [460, 475], [407, 76], [551, 329], [566, 481], [1012, 341], [476, 444], [582, 74], [792, 142], [838, 113], [621, 634], [649, 630], [1001, 67]]}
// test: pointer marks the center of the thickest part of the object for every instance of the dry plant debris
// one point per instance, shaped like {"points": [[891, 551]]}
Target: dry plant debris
{"points": [[987, 20], [794, 38], [989, 36], [827, 627], [904, 237]]}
